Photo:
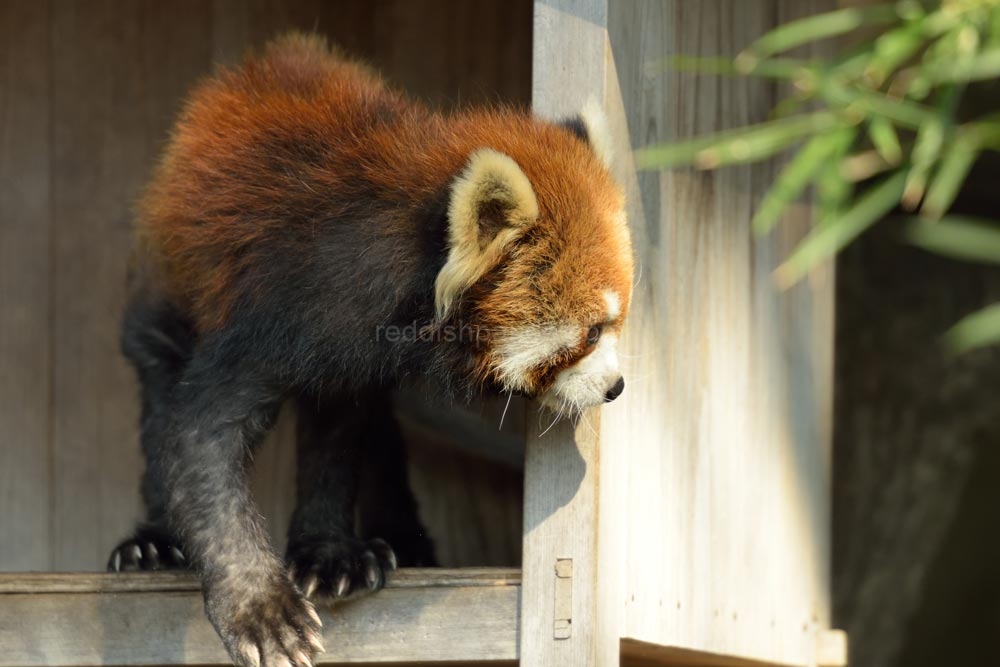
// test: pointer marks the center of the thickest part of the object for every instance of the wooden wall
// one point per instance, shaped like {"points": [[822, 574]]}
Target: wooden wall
{"points": [[87, 93], [705, 488], [724, 439]]}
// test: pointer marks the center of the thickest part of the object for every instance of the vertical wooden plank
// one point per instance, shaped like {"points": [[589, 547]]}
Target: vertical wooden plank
{"points": [[118, 69], [239, 25], [25, 288], [411, 46], [561, 465], [454, 53], [488, 45], [722, 439], [97, 118]]}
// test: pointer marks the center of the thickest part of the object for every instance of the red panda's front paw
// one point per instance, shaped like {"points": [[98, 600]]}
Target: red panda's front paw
{"points": [[339, 567], [149, 548], [266, 625]]}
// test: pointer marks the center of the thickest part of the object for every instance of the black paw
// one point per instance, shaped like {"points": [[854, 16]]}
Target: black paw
{"points": [[150, 548], [264, 622], [339, 567]]}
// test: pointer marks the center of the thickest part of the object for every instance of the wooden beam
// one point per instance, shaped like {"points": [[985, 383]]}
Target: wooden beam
{"points": [[427, 616], [636, 653], [831, 648], [831, 651]]}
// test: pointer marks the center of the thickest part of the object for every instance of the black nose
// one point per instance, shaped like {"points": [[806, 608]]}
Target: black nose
{"points": [[615, 391]]}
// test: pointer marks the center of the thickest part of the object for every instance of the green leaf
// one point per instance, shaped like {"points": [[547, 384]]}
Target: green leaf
{"points": [[747, 144], [774, 68], [885, 140], [699, 64], [929, 143], [969, 239], [794, 177], [873, 103], [985, 65], [926, 148], [819, 26], [833, 191], [993, 27], [893, 48], [955, 165], [979, 329], [825, 241]]}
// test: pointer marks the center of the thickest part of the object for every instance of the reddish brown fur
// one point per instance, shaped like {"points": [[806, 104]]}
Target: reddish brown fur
{"points": [[216, 193]]}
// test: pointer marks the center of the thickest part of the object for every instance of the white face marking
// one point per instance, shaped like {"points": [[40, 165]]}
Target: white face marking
{"points": [[521, 350], [614, 305], [585, 384]]}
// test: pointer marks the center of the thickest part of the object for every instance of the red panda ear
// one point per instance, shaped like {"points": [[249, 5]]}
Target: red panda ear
{"points": [[491, 203], [591, 125]]}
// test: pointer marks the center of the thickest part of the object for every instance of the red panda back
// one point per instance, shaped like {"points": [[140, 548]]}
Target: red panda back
{"points": [[253, 147], [301, 136]]}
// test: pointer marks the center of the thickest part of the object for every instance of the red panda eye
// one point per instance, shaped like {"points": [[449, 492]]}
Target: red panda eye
{"points": [[593, 334]]}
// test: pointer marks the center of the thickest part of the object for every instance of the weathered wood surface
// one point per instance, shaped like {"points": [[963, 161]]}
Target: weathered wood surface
{"points": [[723, 442], [87, 94], [432, 616], [148, 582], [712, 532], [561, 464], [642, 654], [25, 286], [831, 651]]}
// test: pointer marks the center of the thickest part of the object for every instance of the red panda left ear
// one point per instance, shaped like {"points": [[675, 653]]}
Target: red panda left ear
{"points": [[591, 125], [492, 202]]}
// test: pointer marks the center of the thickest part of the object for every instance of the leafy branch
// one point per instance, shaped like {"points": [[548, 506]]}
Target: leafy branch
{"points": [[886, 114]]}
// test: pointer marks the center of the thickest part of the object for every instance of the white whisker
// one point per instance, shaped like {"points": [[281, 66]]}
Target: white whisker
{"points": [[558, 415], [583, 418], [510, 395]]}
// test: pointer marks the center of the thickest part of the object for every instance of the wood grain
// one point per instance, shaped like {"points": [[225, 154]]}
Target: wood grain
{"points": [[150, 582], [561, 464], [714, 463], [98, 133], [641, 654], [88, 92], [25, 285], [414, 619]]}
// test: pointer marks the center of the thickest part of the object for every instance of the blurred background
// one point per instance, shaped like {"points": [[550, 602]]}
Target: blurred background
{"points": [[88, 91]]}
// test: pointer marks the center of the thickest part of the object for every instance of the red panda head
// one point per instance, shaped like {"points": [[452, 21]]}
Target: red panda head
{"points": [[540, 256]]}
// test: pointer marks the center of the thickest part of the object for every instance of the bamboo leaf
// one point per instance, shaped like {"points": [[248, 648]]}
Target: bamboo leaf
{"points": [[773, 68], [928, 144], [741, 145], [993, 28], [893, 48], [699, 64], [832, 190], [970, 239], [979, 329], [985, 65], [826, 240], [794, 177], [870, 103], [926, 148], [885, 139], [819, 26], [955, 166]]}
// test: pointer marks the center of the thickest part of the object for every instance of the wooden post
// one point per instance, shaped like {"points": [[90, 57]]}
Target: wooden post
{"points": [[559, 610], [695, 509]]}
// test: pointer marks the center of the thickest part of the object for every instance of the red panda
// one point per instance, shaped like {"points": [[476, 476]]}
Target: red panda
{"points": [[313, 235]]}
